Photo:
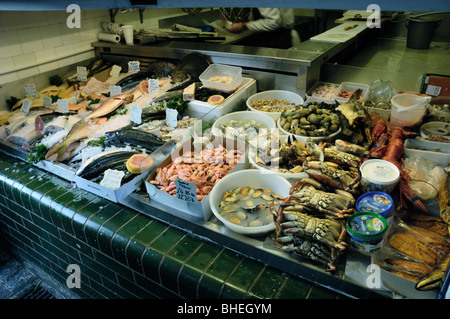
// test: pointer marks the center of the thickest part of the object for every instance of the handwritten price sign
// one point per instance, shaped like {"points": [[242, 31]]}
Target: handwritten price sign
{"points": [[186, 191]]}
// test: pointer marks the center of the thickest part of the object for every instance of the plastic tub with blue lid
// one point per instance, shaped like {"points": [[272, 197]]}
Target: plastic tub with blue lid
{"points": [[376, 202]]}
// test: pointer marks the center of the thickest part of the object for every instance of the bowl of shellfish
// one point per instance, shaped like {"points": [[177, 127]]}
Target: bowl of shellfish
{"points": [[316, 120], [243, 201], [273, 102]]}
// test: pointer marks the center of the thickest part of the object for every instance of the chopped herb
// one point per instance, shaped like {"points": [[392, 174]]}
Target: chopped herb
{"points": [[36, 154], [94, 101], [122, 110], [99, 142], [11, 101], [55, 80], [55, 98], [177, 103]]}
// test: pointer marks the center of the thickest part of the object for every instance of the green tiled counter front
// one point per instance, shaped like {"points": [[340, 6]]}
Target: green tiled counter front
{"points": [[122, 253]]}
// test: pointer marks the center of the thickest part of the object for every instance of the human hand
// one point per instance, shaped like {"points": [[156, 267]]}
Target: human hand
{"points": [[237, 27]]}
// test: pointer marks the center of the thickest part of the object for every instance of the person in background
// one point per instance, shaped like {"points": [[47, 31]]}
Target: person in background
{"points": [[270, 27]]}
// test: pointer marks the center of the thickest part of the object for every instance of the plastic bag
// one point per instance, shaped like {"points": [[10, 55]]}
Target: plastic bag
{"points": [[427, 178]]}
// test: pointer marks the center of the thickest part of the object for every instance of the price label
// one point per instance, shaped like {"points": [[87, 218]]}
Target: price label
{"points": [[47, 101], [112, 179], [186, 191], [81, 73], [88, 152], [26, 105], [115, 90], [171, 117], [63, 105], [136, 114], [115, 71], [30, 90], [133, 66], [153, 85]]}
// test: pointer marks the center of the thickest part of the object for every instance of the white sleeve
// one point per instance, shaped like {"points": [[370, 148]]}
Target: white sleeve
{"points": [[271, 20]]}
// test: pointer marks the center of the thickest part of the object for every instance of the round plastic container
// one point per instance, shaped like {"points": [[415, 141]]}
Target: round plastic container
{"points": [[376, 202], [410, 114], [379, 175], [366, 230]]}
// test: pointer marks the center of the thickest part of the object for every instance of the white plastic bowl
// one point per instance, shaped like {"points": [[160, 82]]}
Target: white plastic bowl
{"points": [[247, 178], [274, 94], [243, 115], [303, 138]]}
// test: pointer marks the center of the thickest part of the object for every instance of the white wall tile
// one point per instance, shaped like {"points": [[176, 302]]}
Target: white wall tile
{"points": [[56, 17], [24, 60], [12, 20], [45, 55], [8, 77], [6, 64], [48, 66], [9, 44], [26, 73], [50, 36], [63, 50], [35, 19], [30, 40]]}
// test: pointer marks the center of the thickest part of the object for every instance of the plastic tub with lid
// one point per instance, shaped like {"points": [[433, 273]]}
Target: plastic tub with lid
{"points": [[376, 202], [222, 77], [366, 230], [407, 109], [379, 175]]}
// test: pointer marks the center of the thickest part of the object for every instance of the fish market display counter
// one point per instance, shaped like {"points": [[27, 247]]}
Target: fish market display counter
{"points": [[123, 225]]}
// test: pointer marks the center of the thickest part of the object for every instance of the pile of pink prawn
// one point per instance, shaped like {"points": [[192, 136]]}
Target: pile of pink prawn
{"points": [[203, 168]]}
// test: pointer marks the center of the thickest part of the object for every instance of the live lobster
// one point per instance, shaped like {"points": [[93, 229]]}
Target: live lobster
{"points": [[389, 146]]}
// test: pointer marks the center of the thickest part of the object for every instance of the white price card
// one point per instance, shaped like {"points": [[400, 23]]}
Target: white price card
{"points": [[47, 101], [112, 179], [26, 105], [186, 191], [171, 117], [81, 73], [153, 85], [133, 66], [136, 114], [115, 71], [63, 105], [115, 90], [30, 90], [88, 152]]}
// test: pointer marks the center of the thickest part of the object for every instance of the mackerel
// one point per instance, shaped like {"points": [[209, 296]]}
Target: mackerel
{"points": [[102, 159], [135, 138]]}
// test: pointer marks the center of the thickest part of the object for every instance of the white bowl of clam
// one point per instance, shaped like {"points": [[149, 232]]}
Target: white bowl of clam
{"points": [[243, 201], [244, 125]]}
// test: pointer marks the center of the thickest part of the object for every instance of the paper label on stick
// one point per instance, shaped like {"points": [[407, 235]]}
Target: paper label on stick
{"points": [[133, 66], [115, 71], [115, 90], [30, 90], [81, 73], [63, 105], [26, 105], [47, 101], [136, 114], [171, 117], [153, 85], [186, 191], [112, 179]]}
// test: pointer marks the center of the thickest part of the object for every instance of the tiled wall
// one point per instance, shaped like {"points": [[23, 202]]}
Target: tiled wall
{"points": [[39, 41]]}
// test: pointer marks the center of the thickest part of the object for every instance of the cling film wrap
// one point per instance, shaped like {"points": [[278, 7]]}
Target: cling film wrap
{"points": [[410, 251]]}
